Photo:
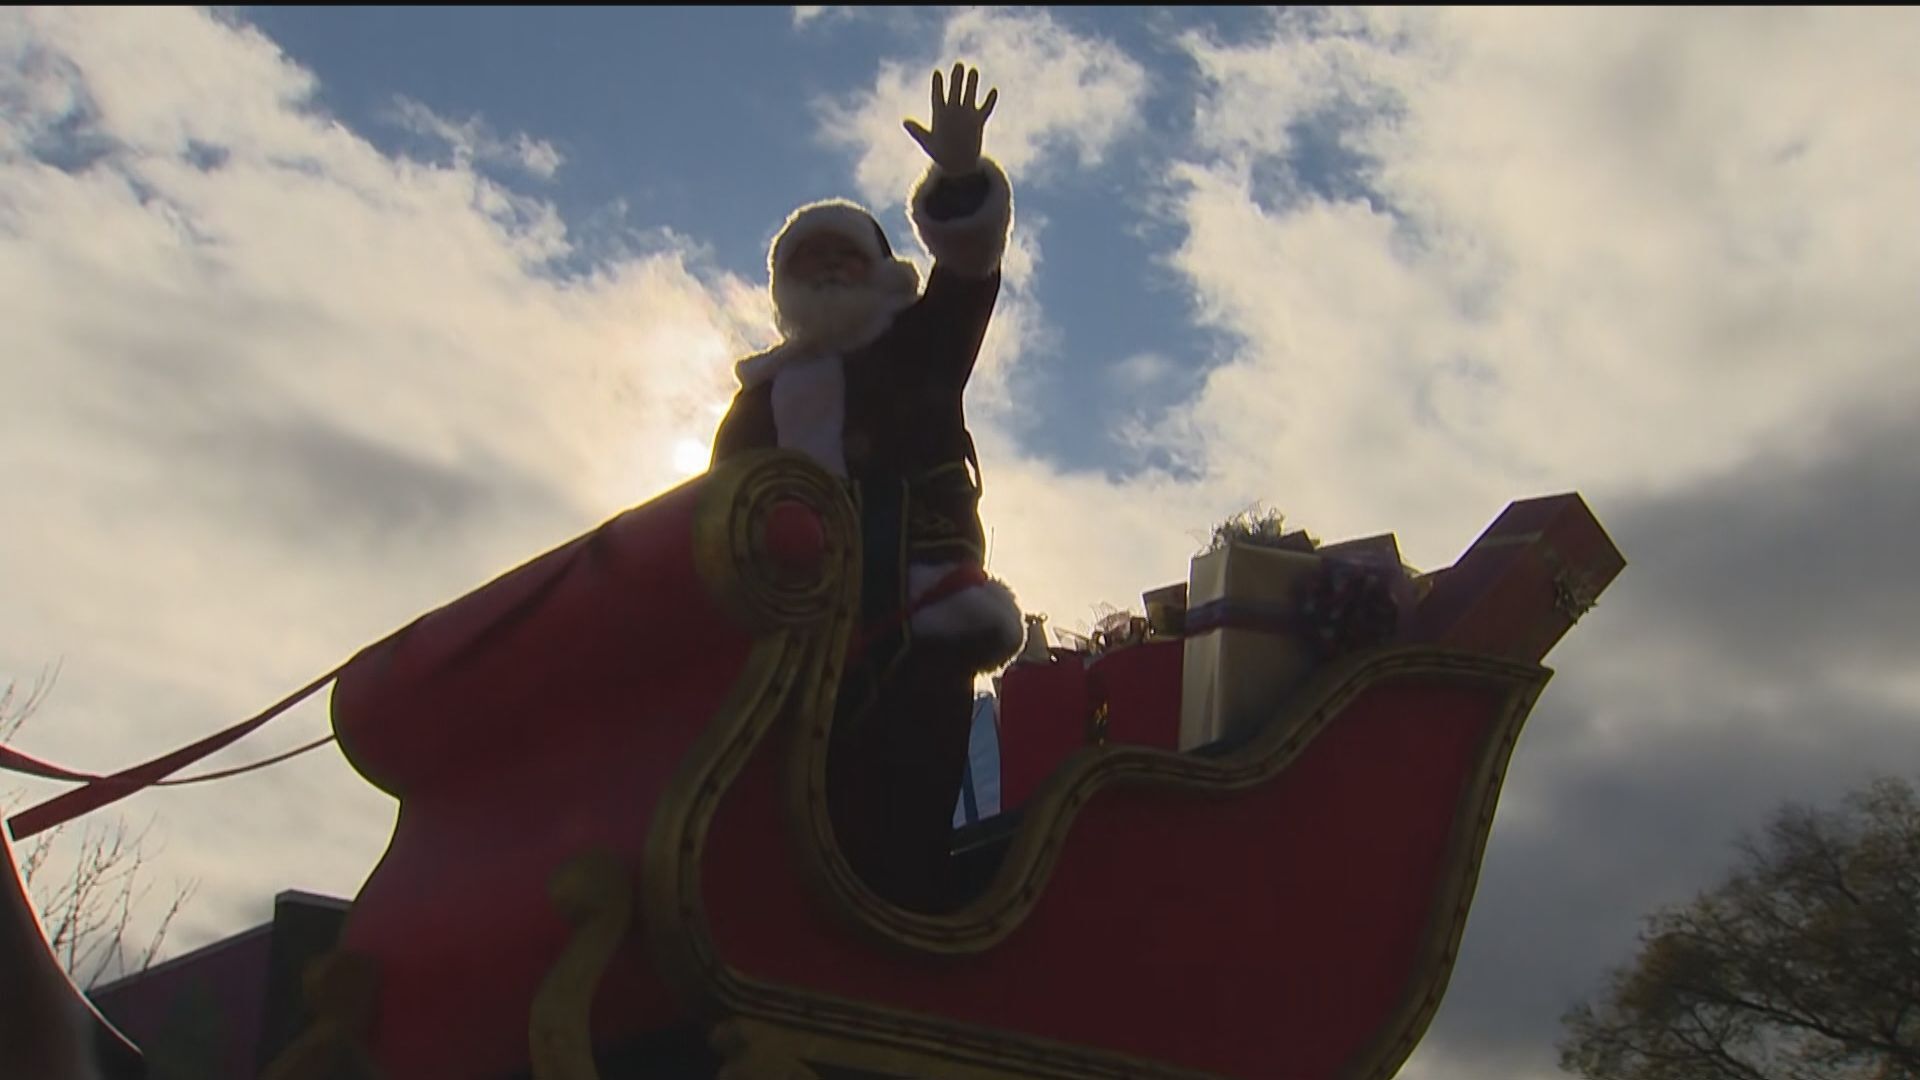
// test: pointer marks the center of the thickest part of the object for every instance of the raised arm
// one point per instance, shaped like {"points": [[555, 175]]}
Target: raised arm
{"points": [[963, 207]]}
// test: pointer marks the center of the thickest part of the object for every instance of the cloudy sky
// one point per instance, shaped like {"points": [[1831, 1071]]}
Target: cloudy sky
{"points": [[311, 320]]}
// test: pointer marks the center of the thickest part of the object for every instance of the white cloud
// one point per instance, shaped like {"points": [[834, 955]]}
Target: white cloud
{"points": [[1142, 370], [269, 393], [805, 15], [1061, 94], [1071, 542], [1607, 250], [474, 140]]}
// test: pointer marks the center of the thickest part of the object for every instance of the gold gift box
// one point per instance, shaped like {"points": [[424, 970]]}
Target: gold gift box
{"points": [[1246, 649], [1243, 647], [1166, 609]]}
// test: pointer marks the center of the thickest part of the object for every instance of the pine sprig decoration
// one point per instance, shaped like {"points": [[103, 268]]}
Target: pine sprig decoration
{"points": [[1258, 527]]}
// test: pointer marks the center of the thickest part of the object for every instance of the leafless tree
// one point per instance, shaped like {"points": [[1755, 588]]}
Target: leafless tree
{"points": [[88, 909]]}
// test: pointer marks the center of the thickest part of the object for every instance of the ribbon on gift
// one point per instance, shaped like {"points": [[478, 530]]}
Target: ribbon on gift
{"points": [[1348, 606], [1344, 606], [1229, 614]]}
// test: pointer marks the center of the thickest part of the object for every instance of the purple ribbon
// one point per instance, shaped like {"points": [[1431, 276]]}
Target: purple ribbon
{"points": [[1266, 617]]}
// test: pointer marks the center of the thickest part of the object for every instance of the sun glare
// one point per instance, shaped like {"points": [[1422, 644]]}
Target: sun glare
{"points": [[689, 457]]}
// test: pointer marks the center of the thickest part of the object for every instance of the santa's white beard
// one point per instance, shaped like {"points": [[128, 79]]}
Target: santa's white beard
{"points": [[839, 316]]}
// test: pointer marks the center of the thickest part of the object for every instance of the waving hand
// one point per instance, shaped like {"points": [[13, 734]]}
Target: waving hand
{"points": [[954, 141]]}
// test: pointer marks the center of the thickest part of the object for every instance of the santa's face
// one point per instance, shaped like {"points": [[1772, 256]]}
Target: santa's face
{"points": [[831, 294], [829, 259]]}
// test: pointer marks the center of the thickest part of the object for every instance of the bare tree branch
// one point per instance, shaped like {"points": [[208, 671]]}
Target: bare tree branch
{"points": [[90, 910]]}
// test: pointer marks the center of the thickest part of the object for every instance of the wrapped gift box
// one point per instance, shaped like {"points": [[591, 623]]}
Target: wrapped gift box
{"points": [[1261, 618], [1382, 554], [1166, 609], [1518, 589], [1244, 647]]}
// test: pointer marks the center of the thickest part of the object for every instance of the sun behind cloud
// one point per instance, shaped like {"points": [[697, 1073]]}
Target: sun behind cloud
{"points": [[690, 457]]}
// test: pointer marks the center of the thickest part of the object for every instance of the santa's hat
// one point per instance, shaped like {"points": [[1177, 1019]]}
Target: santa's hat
{"points": [[894, 282], [834, 217]]}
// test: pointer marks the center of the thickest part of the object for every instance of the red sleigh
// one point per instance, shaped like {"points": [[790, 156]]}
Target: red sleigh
{"points": [[613, 832], [613, 855]]}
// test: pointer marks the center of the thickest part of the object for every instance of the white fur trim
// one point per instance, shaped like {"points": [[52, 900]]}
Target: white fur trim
{"points": [[810, 410], [987, 612], [843, 316], [902, 287], [972, 245], [834, 216], [760, 367]]}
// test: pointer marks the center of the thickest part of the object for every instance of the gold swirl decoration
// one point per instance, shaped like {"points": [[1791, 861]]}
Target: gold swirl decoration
{"points": [[593, 893], [740, 500], [802, 626]]}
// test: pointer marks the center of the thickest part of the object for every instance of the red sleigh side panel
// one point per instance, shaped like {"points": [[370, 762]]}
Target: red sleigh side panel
{"points": [[1289, 910], [535, 723]]}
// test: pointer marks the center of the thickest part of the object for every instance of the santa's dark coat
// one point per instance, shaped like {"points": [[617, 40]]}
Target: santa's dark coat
{"points": [[904, 421], [905, 707]]}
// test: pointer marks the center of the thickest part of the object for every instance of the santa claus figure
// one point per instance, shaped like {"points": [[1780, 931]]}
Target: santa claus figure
{"points": [[869, 380]]}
